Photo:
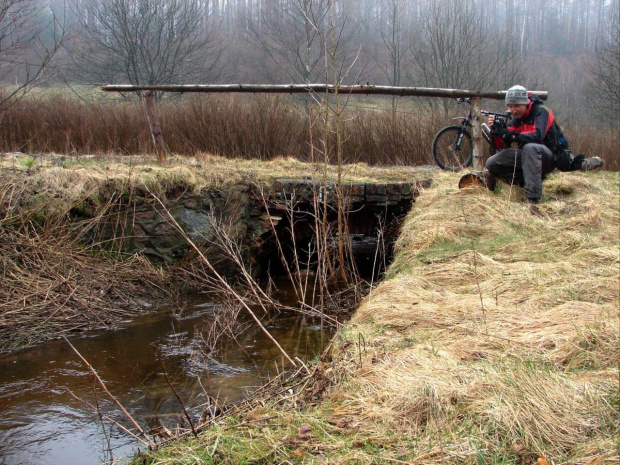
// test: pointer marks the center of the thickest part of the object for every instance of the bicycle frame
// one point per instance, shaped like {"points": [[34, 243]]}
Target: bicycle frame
{"points": [[466, 122], [452, 146]]}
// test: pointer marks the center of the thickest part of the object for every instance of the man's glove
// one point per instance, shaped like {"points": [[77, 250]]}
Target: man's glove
{"points": [[505, 134]]}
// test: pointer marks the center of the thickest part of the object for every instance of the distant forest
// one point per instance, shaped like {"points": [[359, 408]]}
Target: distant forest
{"points": [[568, 47]]}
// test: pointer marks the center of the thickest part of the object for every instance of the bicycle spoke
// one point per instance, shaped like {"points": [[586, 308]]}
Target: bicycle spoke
{"points": [[452, 149]]}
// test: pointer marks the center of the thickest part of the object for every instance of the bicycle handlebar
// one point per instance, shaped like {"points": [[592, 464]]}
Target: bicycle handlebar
{"points": [[506, 115]]}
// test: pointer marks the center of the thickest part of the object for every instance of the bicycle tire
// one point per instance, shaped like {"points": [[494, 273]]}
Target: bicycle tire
{"points": [[446, 155]]}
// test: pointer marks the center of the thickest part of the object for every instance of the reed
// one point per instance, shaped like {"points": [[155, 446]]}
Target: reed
{"points": [[53, 283], [261, 127]]}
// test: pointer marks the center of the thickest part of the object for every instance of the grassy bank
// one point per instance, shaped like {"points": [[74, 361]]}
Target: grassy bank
{"points": [[494, 339]]}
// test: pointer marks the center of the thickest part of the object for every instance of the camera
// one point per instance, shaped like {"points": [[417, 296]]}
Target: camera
{"points": [[499, 122]]}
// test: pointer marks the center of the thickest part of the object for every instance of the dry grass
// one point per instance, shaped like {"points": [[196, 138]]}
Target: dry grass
{"points": [[501, 324], [67, 180], [52, 284], [494, 339]]}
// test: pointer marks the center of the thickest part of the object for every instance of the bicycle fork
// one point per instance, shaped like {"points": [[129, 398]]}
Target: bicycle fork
{"points": [[458, 142], [486, 133]]}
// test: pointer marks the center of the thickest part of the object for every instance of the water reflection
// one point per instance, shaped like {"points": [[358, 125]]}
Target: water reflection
{"points": [[42, 421]]}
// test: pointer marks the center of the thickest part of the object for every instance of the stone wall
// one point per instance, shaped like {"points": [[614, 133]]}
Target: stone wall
{"points": [[253, 218]]}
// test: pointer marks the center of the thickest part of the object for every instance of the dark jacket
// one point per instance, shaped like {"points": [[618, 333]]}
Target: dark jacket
{"points": [[538, 126]]}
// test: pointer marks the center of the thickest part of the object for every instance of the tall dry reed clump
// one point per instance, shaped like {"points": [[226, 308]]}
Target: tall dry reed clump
{"points": [[494, 339], [53, 283], [239, 126]]}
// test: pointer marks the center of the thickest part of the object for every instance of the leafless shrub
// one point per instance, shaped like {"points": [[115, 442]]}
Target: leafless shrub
{"points": [[598, 142], [59, 124]]}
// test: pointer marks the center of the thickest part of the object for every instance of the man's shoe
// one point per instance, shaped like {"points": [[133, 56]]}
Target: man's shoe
{"points": [[592, 163], [576, 162], [533, 200], [489, 180], [536, 211]]}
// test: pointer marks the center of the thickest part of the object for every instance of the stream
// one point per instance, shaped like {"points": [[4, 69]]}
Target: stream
{"points": [[43, 415]]}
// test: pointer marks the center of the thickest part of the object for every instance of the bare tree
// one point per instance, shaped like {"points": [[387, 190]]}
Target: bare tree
{"points": [[30, 37], [452, 48], [288, 34], [290, 38], [146, 42], [393, 54], [605, 71]]}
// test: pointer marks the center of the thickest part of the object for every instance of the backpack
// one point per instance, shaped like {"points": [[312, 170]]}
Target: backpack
{"points": [[564, 158]]}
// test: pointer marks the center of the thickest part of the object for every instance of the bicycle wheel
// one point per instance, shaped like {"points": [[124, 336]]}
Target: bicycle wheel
{"points": [[453, 149]]}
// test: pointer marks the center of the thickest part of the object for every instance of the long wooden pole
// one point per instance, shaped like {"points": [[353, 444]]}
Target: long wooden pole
{"points": [[319, 88]]}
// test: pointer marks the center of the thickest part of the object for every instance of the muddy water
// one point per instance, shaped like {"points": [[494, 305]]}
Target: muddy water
{"points": [[42, 422]]}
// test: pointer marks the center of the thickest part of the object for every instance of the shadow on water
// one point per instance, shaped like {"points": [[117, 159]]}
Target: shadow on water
{"points": [[41, 422]]}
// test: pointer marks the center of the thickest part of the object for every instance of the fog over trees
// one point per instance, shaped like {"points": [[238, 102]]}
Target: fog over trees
{"points": [[569, 47], [30, 36], [145, 42]]}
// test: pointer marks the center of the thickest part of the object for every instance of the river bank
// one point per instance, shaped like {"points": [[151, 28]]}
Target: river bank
{"points": [[66, 224], [493, 339]]}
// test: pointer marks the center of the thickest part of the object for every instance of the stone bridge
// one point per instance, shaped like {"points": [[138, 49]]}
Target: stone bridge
{"points": [[255, 218]]}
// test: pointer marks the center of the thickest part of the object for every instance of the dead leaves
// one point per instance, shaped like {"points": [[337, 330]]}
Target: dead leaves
{"points": [[527, 457], [304, 432]]}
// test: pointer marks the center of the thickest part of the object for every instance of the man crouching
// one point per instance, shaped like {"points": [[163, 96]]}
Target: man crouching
{"points": [[541, 145]]}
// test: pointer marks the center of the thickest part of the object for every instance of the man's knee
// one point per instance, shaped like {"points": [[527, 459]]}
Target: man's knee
{"points": [[533, 151], [491, 163]]}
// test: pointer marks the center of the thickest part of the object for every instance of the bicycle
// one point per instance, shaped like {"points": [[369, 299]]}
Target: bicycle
{"points": [[453, 147]]}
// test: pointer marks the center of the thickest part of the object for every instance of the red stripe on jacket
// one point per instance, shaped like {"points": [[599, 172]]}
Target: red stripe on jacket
{"points": [[528, 129]]}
